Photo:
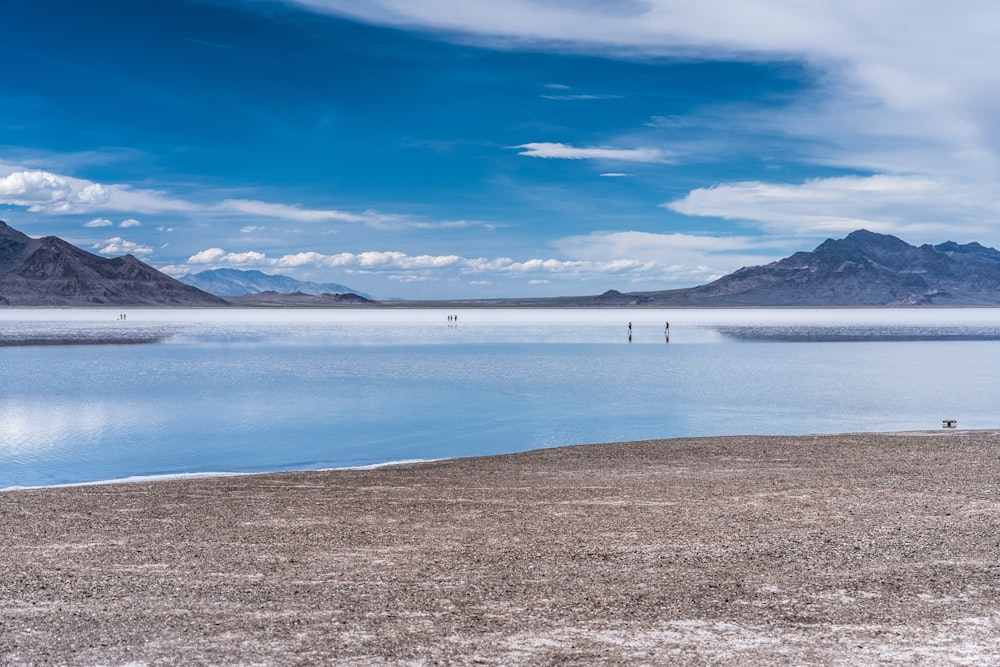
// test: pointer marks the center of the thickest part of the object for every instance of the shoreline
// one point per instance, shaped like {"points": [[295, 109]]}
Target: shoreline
{"points": [[182, 476], [814, 549], [192, 476]]}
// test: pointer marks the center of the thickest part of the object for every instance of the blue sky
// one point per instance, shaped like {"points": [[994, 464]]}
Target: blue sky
{"points": [[433, 149]]}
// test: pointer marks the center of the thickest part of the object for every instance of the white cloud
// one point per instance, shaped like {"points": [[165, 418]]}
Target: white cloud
{"points": [[914, 207], [245, 258], [50, 193], [210, 256], [92, 194], [833, 29], [369, 218], [903, 89], [98, 222], [630, 256], [288, 212], [648, 246], [614, 174], [174, 270], [573, 97], [127, 199], [33, 188], [676, 256], [567, 152], [119, 246], [45, 192]]}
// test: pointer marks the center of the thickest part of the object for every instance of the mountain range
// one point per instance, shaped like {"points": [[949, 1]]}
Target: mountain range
{"points": [[862, 269]]}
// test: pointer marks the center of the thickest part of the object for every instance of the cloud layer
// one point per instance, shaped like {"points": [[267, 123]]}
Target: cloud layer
{"points": [[905, 93], [912, 206], [642, 256], [45, 192]]}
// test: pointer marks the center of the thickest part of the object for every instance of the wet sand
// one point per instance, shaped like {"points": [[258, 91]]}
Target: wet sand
{"points": [[847, 549]]}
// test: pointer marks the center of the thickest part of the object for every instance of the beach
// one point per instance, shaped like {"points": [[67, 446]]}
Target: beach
{"points": [[817, 549]]}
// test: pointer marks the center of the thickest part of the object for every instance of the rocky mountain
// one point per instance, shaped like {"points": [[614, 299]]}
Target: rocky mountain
{"points": [[236, 282], [51, 272], [863, 269]]}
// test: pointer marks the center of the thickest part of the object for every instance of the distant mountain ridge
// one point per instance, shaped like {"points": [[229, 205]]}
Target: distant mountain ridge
{"points": [[863, 269], [238, 282], [51, 272]]}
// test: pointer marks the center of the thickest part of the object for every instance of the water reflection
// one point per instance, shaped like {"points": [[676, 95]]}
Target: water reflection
{"points": [[268, 390], [31, 427], [19, 334], [859, 333]]}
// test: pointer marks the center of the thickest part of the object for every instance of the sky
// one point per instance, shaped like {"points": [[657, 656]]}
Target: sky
{"points": [[423, 149]]}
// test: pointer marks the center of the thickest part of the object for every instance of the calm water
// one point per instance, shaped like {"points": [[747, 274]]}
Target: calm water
{"points": [[87, 397]]}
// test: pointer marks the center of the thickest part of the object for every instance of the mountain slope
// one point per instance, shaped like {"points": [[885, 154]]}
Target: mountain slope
{"points": [[236, 282], [52, 272], [14, 245], [863, 269]]}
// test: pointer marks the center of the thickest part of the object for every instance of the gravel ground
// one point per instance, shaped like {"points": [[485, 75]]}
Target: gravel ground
{"points": [[829, 550]]}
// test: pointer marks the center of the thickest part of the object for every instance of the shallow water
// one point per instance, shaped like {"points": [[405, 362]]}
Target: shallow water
{"points": [[189, 391]]}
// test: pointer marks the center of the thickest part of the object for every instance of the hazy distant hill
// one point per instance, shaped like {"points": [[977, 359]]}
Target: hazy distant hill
{"points": [[51, 272], [235, 282], [300, 300]]}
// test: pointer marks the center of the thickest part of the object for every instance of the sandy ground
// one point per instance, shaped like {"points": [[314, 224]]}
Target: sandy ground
{"points": [[832, 550]]}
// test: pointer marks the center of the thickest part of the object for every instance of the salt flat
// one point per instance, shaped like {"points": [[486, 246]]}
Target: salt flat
{"points": [[833, 549]]}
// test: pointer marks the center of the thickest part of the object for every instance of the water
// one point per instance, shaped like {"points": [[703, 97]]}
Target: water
{"points": [[86, 397]]}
